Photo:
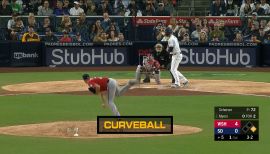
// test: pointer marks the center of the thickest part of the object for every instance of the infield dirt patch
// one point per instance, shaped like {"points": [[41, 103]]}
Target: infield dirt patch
{"points": [[85, 129], [196, 86]]}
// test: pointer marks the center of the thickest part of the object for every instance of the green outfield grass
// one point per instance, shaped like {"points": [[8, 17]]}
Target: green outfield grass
{"points": [[187, 110]]}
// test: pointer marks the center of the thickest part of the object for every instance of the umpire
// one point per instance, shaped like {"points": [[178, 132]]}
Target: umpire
{"points": [[163, 57]]}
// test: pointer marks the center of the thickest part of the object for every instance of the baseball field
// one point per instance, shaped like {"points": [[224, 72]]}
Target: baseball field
{"points": [[39, 110]]}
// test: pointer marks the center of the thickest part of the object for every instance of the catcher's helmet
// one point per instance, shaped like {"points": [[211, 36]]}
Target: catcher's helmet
{"points": [[168, 31], [85, 76]]}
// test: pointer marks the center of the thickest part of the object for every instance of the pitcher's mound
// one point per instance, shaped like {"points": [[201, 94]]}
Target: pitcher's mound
{"points": [[84, 129]]}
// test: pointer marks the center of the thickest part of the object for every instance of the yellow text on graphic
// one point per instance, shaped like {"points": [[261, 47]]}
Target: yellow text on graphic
{"points": [[134, 125]]}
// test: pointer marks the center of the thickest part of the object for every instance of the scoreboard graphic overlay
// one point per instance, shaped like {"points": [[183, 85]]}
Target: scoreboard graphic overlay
{"points": [[236, 123]]}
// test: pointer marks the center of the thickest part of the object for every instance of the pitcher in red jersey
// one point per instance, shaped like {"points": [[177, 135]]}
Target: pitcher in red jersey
{"points": [[107, 88]]}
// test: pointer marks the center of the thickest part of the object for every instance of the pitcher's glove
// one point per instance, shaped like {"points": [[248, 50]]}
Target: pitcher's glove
{"points": [[92, 89]]}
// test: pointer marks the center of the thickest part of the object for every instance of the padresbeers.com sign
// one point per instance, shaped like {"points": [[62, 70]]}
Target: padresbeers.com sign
{"points": [[135, 125]]}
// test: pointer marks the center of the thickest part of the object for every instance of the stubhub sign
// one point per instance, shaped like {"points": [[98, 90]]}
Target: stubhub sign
{"points": [[219, 56], [86, 56]]}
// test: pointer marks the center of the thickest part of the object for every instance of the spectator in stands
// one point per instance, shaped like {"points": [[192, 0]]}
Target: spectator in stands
{"points": [[76, 10], [238, 37], [49, 36], [121, 37], [133, 9], [161, 10], [81, 26], [218, 8], [96, 30], [205, 25], [31, 6], [20, 2], [259, 10], [78, 38], [125, 3], [267, 40], [160, 33], [65, 38], [30, 36], [187, 26], [247, 8], [102, 37], [11, 22], [65, 24], [195, 22], [203, 38], [228, 31], [45, 9], [174, 26], [263, 23], [215, 38], [261, 35], [254, 30], [186, 38], [19, 26], [5, 9], [59, 10], [113, 26], [231, 8], [149, 9], [105, 23], [158, 26], [13, 36], [254, 39], [67, 5], [46, 24], [16, 8], [83, 5], [196, 33], [168, 6], [267, 27], [90, 8], [113, 36], [216, 34], [253, 25], [104, 6], [118, 7], [265, 6], [32, 21], [99, 25], [181, 32]]}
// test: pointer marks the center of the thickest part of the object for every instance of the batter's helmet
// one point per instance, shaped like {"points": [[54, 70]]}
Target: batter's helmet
{"points": [[168, 31], [85, 76]]}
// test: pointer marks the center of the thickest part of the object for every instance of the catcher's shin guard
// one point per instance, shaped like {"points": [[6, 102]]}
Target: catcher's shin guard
{"points": [[146, 79], [157, 76]]}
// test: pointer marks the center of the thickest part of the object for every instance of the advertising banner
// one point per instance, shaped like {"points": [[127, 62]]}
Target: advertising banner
{"points": [[86, 56], [209, 55], [25, 54], [219, 56], [152, 21], [4, 54], [266, 55]]}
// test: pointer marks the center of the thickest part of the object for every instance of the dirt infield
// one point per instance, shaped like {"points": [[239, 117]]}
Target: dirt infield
{"points": [[87, 129], [84, 129], [197, 87]]}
